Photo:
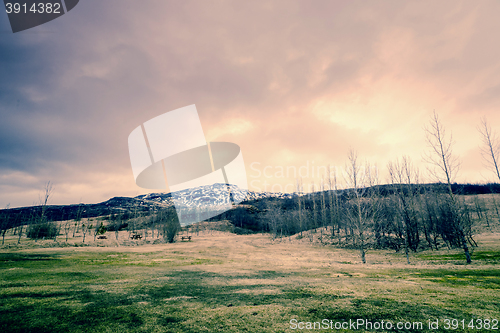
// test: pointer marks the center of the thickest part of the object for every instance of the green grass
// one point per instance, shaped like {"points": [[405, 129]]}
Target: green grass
{"points": [[177, 288], [479, 278], [492, 257]]}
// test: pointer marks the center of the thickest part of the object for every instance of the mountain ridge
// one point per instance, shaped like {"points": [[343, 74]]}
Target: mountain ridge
{"points": [[150, 202], [141, 204]]}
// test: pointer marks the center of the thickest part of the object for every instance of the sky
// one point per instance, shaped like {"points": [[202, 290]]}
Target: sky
{"points": [[296, 84]]}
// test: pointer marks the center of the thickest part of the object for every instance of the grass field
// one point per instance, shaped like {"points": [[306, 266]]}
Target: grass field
{"points": [[229, 283]]}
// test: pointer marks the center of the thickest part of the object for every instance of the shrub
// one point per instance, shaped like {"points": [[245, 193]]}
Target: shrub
{"points": [[242, 231], [42, 230], [116, 226], [171, 226]]}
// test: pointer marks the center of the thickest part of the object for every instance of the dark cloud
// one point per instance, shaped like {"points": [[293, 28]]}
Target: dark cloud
{"points": [[73, 89]]}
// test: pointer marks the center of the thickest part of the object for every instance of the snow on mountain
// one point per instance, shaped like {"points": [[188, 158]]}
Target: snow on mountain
{"points": [[211, 195]]}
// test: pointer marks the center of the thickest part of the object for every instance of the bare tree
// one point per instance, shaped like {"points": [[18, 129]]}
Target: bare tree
{"points": [[78, 219], [4, 224], [118, 223], [299, 189], [132, 223], [67, 228], [429, 217], [323, 207], [20, 231], [330, 200], [490, 152], [334, 203], [491, 146], [85, 229], [402, 176], [314, 210], [444, 164], [44, 199], [445, 167], [362, 206], [99, 229], [20, 234], [273, 217], [153, 221], [494, 201]]}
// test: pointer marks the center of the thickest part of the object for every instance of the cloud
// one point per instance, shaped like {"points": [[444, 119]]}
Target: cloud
{"points": [[289, 81]]}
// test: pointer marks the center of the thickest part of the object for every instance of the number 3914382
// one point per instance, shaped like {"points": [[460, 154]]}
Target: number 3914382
{"points": [[40, 8]]}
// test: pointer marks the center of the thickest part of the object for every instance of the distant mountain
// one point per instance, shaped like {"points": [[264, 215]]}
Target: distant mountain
{"points": [[204, 195], [141, 204]]}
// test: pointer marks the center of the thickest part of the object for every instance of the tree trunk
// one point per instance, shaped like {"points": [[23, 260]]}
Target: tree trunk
{"points": [[362, 248], [466, 248], [20, 234]]}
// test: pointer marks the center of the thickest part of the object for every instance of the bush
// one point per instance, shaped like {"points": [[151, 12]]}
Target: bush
{"points": [[116, 226], [242, 231], [171, 225], [102, 229], [42, 230], [171, 228]]}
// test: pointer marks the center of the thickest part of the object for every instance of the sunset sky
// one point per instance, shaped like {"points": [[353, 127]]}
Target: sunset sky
{"points": [[293, 83]]}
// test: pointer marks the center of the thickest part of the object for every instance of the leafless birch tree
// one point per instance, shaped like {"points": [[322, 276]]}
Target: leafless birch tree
{"points": [[300, 189], [4, 223], [491, 146], [362, 208], [444, 166], [403, 176], [44, 199]]}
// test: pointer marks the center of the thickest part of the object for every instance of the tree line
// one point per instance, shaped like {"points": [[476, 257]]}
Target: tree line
{"points": [[403, 214]]}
